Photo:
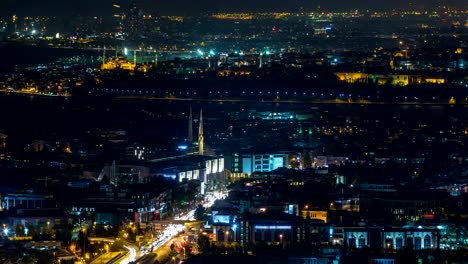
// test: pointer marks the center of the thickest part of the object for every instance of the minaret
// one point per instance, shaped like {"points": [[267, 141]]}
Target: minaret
{"points": [[190, 128], [200, 134], [261, 60], [134, 57], [155, 58], [142, 50]]}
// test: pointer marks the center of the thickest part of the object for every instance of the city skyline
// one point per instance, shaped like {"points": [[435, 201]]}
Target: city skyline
{"points": [[187, 7], [215, 131]]}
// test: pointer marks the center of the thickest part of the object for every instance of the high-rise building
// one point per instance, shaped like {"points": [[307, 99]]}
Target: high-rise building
{"points": [[3, 138], [14, 23], [119, 16], [3, 153], [134, 20]]}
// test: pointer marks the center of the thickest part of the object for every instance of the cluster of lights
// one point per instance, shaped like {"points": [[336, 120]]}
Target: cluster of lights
{"points": [[273, 227]]}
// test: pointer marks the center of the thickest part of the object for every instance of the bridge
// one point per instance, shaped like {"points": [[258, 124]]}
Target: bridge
{"points": [[101, 239]]}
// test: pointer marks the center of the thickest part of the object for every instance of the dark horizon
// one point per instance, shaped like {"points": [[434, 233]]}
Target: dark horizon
{"points": [[191, 7]]}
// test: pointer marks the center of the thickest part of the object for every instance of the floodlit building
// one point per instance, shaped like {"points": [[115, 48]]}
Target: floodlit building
{"points": [[416, 238], [282, 229], [249, 163]]}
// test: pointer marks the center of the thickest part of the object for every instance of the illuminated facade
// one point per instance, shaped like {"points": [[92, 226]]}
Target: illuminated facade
{"points": [[3, 138], [212, 168], [315, 215], [119, 17], [134, 20], [249, 163], [435, 80], [391, 79], [400, 80], [118, 63], [27, 201], [235, 72], [353, 77], [356, 238], [280, 230], [417, 238]]}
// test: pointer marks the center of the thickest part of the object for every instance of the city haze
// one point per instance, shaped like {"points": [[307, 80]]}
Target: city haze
{"points": [[184, 7]]}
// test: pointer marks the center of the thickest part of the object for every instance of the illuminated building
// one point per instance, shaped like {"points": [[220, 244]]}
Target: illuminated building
{"points": [[391, 79], [352, 77], [119, 62], [119, 17], [38, 220], [233, 16], [273, 229], [134, 19], [250, 163], [315, 215], [400, 80], [14, 22], [3, 138], [435, 80], [190, 168], [416, 238], [235, 72], [27, 201]]}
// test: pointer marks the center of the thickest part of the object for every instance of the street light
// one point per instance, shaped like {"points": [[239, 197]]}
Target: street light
{"points": [[5, 230], [234, 227], [101, 249], [84, 240]]}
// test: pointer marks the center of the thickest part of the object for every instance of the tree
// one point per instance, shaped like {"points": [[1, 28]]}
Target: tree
{"points": [[235, 247], [19, 230], [307, 160], [200, 213], [203, 243], [42, 257]]}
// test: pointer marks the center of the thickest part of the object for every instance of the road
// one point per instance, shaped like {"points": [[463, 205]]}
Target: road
{"points": [[105, 258], [171, 231], [164, 239]]}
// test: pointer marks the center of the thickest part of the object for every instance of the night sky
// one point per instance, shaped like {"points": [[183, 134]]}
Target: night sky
{"points": [[182, 7]]}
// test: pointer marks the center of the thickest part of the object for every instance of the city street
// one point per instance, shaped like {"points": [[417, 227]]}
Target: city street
{"points": [[171, 233]]}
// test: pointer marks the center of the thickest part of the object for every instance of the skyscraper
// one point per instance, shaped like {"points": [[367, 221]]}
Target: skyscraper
{"points": [[119, 16], [134, 20]]}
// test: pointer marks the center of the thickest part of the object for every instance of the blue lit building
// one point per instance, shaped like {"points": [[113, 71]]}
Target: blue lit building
{"points": [[249, 163]]}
